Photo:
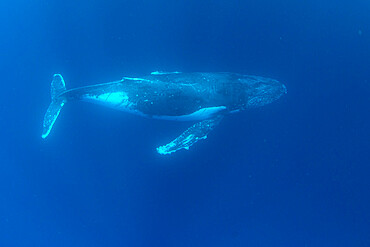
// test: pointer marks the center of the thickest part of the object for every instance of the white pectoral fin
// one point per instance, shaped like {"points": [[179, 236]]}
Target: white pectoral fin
{"points": [[193, 134]]}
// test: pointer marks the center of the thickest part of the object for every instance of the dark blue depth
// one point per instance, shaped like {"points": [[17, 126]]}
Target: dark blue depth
{"points": [[293, 173]]}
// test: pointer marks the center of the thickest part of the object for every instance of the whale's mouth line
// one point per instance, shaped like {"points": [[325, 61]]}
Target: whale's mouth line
{"points": [[285, 90]]}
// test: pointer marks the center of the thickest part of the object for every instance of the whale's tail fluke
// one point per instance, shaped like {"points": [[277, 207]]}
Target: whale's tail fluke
{"points": [[58, 87]]}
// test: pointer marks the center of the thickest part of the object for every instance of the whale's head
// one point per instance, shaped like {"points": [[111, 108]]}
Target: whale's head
{"points": [[260, 91]]}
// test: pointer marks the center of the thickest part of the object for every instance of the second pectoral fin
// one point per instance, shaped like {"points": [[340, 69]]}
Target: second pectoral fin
{"points": [[198, 131]]}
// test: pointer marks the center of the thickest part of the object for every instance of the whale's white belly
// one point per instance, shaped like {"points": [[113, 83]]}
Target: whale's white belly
{"points": [[121, 101], [201, 114]]}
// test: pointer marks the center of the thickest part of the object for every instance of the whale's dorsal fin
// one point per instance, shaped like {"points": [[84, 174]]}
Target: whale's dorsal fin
{"points": [[164, 72], [198, 131]]}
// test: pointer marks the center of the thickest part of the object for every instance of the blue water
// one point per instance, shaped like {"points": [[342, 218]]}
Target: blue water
{"points": [[293, 173]]}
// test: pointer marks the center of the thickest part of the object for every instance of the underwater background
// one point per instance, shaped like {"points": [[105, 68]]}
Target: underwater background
{"points": [[292, 173]]}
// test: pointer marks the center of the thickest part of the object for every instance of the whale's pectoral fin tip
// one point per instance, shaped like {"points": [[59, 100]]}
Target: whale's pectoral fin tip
{"points": [[198, 131]]}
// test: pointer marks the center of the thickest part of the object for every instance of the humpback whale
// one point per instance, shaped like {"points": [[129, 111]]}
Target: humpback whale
{"points": [[201, 97]]}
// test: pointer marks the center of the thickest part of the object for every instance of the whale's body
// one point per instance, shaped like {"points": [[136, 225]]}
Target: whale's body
{"points": [[204, 97]]}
